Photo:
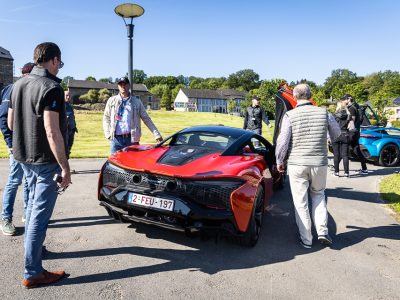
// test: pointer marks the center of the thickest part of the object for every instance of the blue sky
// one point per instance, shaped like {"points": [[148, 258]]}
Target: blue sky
{"points": [[209, 38]]}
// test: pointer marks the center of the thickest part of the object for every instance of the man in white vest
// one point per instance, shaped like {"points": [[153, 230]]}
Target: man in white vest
{"points": [[303, 143]]}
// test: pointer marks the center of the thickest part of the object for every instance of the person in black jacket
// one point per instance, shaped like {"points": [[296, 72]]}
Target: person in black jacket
{"points": [[354, 110], [16, 173], [71, 124], [254, 115], [340, 145]]}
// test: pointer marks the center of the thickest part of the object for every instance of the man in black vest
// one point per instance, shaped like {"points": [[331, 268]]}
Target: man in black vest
{"points": [[254, 115], [37, 117]]}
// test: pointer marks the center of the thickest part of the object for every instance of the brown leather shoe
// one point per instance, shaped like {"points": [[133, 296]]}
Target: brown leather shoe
{"points": [[45, 277]]}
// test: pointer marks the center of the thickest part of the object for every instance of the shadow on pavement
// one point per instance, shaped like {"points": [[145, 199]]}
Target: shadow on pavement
{"points": [[359, 234], [278, 243], [84, 221]]}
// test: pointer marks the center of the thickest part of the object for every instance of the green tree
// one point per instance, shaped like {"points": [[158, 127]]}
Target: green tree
{"points": [[90, 78], [159, 90], [65, 81], [104, 95], [92, 96], [231, 105], [166, 99], [246, 79], [338, 79], [139, 76], [266, 92]]}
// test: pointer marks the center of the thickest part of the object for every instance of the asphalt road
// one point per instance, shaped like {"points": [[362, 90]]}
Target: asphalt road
{"points": [[108, 260]]}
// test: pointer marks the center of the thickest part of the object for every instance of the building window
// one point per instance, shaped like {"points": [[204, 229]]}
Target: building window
{"points": [[211, 105], [149, 99], [180, 104]]}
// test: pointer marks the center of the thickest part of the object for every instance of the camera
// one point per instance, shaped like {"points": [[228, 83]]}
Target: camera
{"points": [[57, 178]]}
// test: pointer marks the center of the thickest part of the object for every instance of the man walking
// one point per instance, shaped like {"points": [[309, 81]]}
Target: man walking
{"points": [[121, 119], [254, 115], [303, 140], [354, 110], [37, 117], [71, 123], [16, 173]]}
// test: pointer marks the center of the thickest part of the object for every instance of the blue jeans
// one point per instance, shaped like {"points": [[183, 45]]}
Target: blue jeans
{"points": [[42, 199], [10, 190], [120, 142]]}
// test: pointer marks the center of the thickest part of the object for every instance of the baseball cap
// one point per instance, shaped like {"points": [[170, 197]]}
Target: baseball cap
{"points": [[123, 79], [346, 96], [27, 68]]}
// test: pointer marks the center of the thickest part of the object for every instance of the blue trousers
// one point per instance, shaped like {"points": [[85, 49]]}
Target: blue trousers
{"points": [[42, 199], [10, 190], [120, 142]]}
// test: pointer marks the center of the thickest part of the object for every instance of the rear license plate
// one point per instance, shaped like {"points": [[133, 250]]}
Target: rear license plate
{"points": [[149, 201]]}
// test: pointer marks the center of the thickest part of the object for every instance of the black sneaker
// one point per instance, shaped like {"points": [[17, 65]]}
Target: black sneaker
{"points": [[363, 171], [347, 175], [336, 174], [325, 239], [305, 245]]}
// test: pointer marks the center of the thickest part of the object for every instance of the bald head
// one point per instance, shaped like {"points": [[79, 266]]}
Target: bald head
{"points": [[302, 92]]}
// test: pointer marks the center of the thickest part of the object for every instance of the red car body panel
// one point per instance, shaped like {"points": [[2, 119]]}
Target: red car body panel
{"points": [[144, 158]]}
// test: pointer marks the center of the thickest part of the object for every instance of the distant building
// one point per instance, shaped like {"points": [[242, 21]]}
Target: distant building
{"points": [[6, 67], [393, 111], [203, 100], [79, 87]]}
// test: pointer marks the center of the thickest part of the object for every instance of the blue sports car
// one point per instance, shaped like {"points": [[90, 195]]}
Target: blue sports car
{"points": [[381, 145]]}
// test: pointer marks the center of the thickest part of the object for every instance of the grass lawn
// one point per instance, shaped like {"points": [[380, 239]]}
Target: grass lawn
{"points": [[390, 191], [90, 141]]}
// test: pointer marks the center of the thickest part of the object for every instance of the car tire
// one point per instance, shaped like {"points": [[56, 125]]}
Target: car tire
{"points": [[389, 155], [252, 234]]}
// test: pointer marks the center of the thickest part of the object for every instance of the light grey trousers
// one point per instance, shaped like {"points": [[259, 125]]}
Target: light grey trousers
{"points": [[304, 180]]}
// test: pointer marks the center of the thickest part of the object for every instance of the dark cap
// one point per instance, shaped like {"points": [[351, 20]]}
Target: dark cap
{"points": [[123, 79], [347, 97], [256, 98], [27, 68]]}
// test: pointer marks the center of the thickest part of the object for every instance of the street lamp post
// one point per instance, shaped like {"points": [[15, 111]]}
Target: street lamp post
{"points": [[129, 11]]}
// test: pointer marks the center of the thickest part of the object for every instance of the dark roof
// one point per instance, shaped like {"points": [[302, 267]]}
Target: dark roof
{"points": [[5, 54], [213, 94], [89, 84], [396, 101]]}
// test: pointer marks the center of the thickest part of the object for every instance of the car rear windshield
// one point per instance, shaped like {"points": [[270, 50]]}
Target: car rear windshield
{"points": [[203, 139]]}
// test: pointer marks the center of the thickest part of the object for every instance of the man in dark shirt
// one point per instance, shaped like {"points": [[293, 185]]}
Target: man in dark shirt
{"points": [[37, 117], [16, 173], [254, 115], [71, 124], [353, 108]]}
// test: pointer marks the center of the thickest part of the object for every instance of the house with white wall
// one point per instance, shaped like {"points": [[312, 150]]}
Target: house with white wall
{"points": [[204, 100]]}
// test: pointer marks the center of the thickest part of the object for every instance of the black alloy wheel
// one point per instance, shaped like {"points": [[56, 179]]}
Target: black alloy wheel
{"points": [[389, 156]]}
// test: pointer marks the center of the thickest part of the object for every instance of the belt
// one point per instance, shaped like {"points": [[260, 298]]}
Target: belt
{"points": [[126, 135]]}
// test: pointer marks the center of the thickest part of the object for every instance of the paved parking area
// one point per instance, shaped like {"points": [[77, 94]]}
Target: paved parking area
{"points": [[108, 260]]}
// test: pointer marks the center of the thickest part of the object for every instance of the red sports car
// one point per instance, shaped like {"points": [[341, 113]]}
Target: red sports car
{"points": [[200, 178]]}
